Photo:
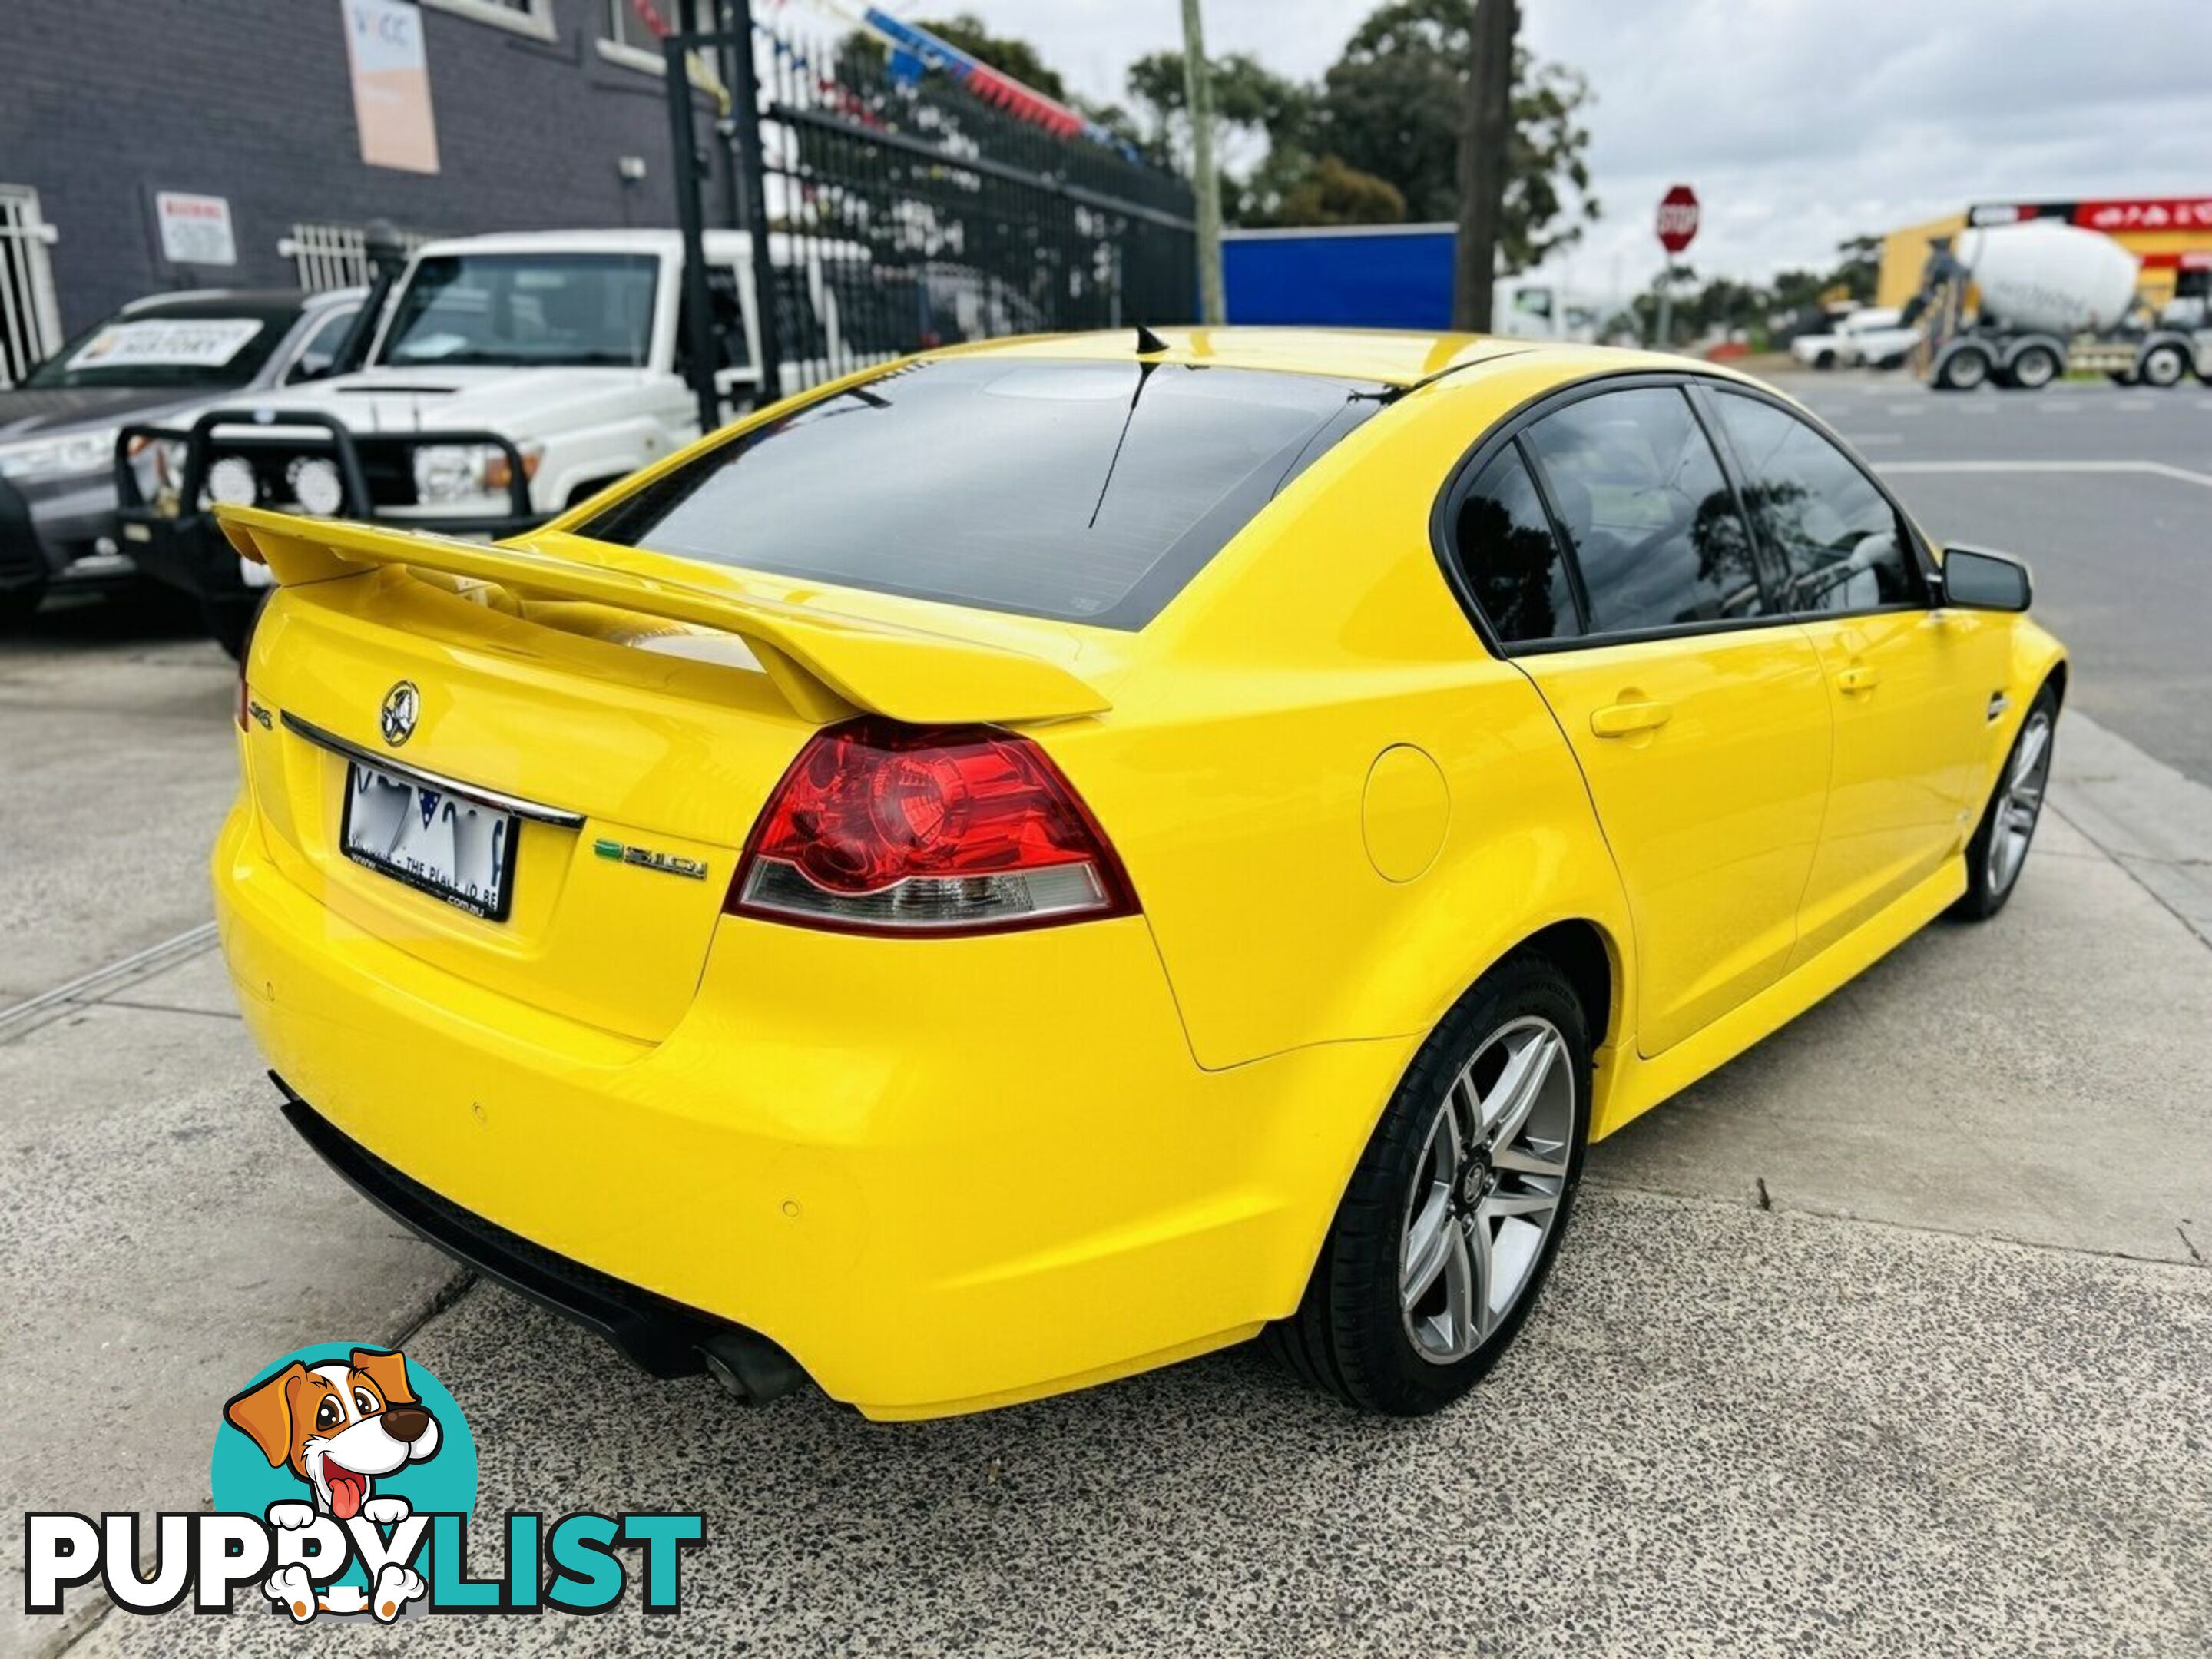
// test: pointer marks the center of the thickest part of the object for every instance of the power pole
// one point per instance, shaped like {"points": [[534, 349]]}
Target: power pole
{"points": [[1486, 146], [1198, 97]]}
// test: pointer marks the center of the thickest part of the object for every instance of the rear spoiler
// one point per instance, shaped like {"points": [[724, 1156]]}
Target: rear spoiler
{"points": [[830, 665]]}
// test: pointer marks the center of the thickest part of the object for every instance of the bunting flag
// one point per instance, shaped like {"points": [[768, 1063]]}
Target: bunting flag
{"points": [[915, 51]]}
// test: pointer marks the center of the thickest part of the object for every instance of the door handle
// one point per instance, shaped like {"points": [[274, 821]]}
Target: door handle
{"points": [[1857, 678], [1619, 719]]}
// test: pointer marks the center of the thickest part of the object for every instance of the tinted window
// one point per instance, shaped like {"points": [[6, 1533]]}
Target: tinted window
{"points": [[217, 342], [726, 322], [323, 346], [1841, 544], [1653, 524], [526, 309], [1090, 491], [1511, 557]]}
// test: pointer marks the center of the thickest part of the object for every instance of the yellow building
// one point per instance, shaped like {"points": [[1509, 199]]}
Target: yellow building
{"points": [[2170, 235]]}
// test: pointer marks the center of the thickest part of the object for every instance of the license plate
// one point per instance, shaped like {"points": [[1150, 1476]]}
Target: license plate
{"points": [[436, 841]]}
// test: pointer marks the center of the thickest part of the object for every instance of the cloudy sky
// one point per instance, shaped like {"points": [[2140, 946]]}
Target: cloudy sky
{"points": [[1799, 121]]}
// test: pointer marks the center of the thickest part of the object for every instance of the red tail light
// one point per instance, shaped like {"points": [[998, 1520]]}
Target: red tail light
{"points": [[880, 828]]}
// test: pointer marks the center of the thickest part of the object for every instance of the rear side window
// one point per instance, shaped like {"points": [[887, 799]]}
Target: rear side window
{"points": [[1512, 559], [1654, 523], [1088, 491], [1843, 546]]}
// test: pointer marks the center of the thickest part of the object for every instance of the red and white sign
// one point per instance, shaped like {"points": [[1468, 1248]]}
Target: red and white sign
{"points": [[1678, 218], [2158, 213], [195, 229]]}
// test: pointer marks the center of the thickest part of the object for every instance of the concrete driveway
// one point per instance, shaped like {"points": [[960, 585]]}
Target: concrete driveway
{"points": [[1896, 1334]]}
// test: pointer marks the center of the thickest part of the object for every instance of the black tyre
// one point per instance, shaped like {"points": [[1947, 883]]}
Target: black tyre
{"points": [[1998, 850], [1450, 1224], [1963, 370], [19, 604], [2163, 366], [2034, 367], [1824, 360]]}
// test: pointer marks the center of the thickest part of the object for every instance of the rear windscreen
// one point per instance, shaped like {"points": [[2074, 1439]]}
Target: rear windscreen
{"points": [[1089, 491]]}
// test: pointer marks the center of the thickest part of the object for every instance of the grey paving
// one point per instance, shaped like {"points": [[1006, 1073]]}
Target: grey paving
{"points": [[162, 1236], [197, 984], [118, 747], [2151, 818], [1729, 1432], [2046, 1076]]}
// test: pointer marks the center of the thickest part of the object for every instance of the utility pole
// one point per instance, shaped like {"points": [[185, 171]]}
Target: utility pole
{"points": [[1486, 155], [1198, 97]]}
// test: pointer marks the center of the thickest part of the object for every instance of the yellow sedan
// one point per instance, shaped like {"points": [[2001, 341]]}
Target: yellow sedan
{"points": [[1054, 856]]}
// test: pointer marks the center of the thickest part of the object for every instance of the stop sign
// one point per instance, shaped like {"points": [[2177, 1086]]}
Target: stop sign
{"points": [[1678, 218]]}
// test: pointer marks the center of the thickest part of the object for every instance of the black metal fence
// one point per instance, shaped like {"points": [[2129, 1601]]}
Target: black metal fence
{"points": [[900, 211]]}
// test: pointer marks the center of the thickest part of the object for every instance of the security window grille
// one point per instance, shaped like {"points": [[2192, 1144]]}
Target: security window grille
{"points": [[326, 257], [30, 323]]}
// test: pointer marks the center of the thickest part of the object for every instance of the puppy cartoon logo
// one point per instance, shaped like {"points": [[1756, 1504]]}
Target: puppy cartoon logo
{"points": [[339, 1424], [344, 1480]]}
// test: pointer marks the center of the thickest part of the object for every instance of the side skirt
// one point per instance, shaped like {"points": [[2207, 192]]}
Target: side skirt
{"points": [[1632, 1085]]}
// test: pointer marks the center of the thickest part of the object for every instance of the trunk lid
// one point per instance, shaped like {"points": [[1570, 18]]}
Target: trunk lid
{"points": [[637, 710]]}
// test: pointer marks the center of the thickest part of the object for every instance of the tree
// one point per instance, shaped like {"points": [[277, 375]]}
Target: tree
{"points": [[1860, 267], [1484, 158], [1004, 53], [1248, 96], [1391, 106], [1331, 192]]}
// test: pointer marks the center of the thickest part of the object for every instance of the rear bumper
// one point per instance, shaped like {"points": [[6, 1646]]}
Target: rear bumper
{"points": [[654, 1333], [941, 1174]]}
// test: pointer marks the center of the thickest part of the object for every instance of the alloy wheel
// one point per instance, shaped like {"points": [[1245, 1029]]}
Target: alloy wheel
{"points": [[1487, 1190], [2020, 802]]}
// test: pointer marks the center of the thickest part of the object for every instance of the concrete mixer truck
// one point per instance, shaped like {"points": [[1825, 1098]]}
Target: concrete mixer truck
{"points": [[2020, 305]]}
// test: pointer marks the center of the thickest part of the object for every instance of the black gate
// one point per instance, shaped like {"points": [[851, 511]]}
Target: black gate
{"points": [[901, 210]]}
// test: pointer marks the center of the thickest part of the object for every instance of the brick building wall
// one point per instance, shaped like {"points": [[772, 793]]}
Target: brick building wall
{"points": [[105, 102]]}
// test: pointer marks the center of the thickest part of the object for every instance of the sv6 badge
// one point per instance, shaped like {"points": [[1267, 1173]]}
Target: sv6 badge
{"points": [[646, 858]]}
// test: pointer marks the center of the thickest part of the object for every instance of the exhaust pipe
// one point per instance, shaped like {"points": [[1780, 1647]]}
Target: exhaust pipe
{"points": [[753, 1369]]}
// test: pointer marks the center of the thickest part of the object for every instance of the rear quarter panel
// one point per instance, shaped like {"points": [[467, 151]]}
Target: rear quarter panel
{"points": [[1234, 772]]}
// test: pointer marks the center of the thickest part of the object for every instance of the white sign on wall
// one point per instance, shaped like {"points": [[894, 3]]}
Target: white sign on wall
{"points": [[390, 84], [195, 229]]}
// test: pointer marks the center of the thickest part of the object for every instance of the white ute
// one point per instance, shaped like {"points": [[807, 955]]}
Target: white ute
{"points": [[1873, 337], [569, 345]]}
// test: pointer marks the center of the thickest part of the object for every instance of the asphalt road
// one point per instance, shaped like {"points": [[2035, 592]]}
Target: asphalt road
{"points": [[1893, 1335], [2105, 491]]}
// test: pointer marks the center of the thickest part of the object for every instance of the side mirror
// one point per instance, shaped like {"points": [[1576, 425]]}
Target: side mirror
{"points": [[1986, 582]]}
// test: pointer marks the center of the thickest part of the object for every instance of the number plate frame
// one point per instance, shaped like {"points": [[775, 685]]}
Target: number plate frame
{"points": [[507, 824]]}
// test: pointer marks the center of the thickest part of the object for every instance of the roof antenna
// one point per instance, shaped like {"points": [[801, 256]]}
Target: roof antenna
{"points": [[1149, 344]]}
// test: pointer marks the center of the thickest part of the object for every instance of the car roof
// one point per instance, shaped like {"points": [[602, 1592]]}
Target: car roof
{"points": [[221, 301], [668, 244], [1390, 356]]}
